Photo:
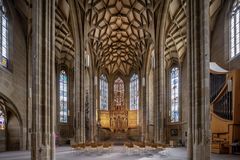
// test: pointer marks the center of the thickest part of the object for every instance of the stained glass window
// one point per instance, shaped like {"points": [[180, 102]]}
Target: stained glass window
{"points": [[2, 119], [174, 94], [134, 92], [63, 96], [235, 30], [119, 92], [4, 36], [103, 93]]}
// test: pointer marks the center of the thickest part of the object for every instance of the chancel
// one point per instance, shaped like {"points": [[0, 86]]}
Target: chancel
{"points": [[119, 79]]}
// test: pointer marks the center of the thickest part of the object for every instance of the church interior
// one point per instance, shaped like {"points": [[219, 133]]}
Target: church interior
{"points": [[120, 79]]}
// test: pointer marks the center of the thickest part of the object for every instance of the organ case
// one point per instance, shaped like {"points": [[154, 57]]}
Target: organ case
{"points": [[225, 110]]}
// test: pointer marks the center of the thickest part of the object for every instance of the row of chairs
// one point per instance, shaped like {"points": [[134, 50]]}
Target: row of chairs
{"points": [[129, 148], [143, 148], [92, 147]]}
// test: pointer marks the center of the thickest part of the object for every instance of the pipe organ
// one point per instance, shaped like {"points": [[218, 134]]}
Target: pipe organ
{"points": [[225, 110]]}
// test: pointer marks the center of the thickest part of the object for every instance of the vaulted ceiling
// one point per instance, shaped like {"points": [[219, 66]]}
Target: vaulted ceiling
{"points": [[64, 38], [176, 27], [119, 30], [176, 30], [119, 33]]}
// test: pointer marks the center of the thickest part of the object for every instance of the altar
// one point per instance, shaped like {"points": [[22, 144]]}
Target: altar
{"points": [[118, 117], [118, 120]]}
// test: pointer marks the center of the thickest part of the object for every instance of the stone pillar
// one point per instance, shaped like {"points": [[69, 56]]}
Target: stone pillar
{"points": [[160, 75], [156, 101], [77, 94], [43, 80], [94, 125], [160, 100], [198, 79], [79, 66], [147, 131], [142, 85]]}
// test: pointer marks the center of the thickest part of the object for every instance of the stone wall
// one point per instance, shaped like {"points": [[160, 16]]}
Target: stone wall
{"points": [[184, 100], [219, 50], [13, 134], [150, 106], [13, 81]]}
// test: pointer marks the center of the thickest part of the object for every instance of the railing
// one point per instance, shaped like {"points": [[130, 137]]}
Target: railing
{"points": [[217, 82], [223, 105]]}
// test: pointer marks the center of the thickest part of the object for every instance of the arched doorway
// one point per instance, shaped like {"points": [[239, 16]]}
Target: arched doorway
{"points": [[10, 126]]}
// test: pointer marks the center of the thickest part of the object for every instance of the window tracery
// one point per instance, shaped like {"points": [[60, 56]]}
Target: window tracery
{"points": [[235, 30], [63, 96], [119, 92], [134, 92], [4, 36], [174, 94], [103, 93]]}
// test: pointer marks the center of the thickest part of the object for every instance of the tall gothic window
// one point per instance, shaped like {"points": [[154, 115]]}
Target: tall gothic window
{"points": [[2, 118], [235, 30], [119, 92], [103, 93], [174, 112], [63, 97], [134, 92], [4, 36]]}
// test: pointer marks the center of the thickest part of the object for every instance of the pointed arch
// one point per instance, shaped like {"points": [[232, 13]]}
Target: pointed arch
{"points": [[10, 114]]}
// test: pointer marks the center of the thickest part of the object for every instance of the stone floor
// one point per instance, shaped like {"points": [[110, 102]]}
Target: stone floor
{"points": [[65, 153]]}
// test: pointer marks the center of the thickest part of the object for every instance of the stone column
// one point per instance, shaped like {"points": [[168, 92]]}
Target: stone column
{"points": [[76, 97], [156, 102], [143, 109], [162, 99], [79, 106], [198, 78], [92, 111], [160, 94], [43, 80], [94, 125], [147, 107], [29, 84], [160, 75]]}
